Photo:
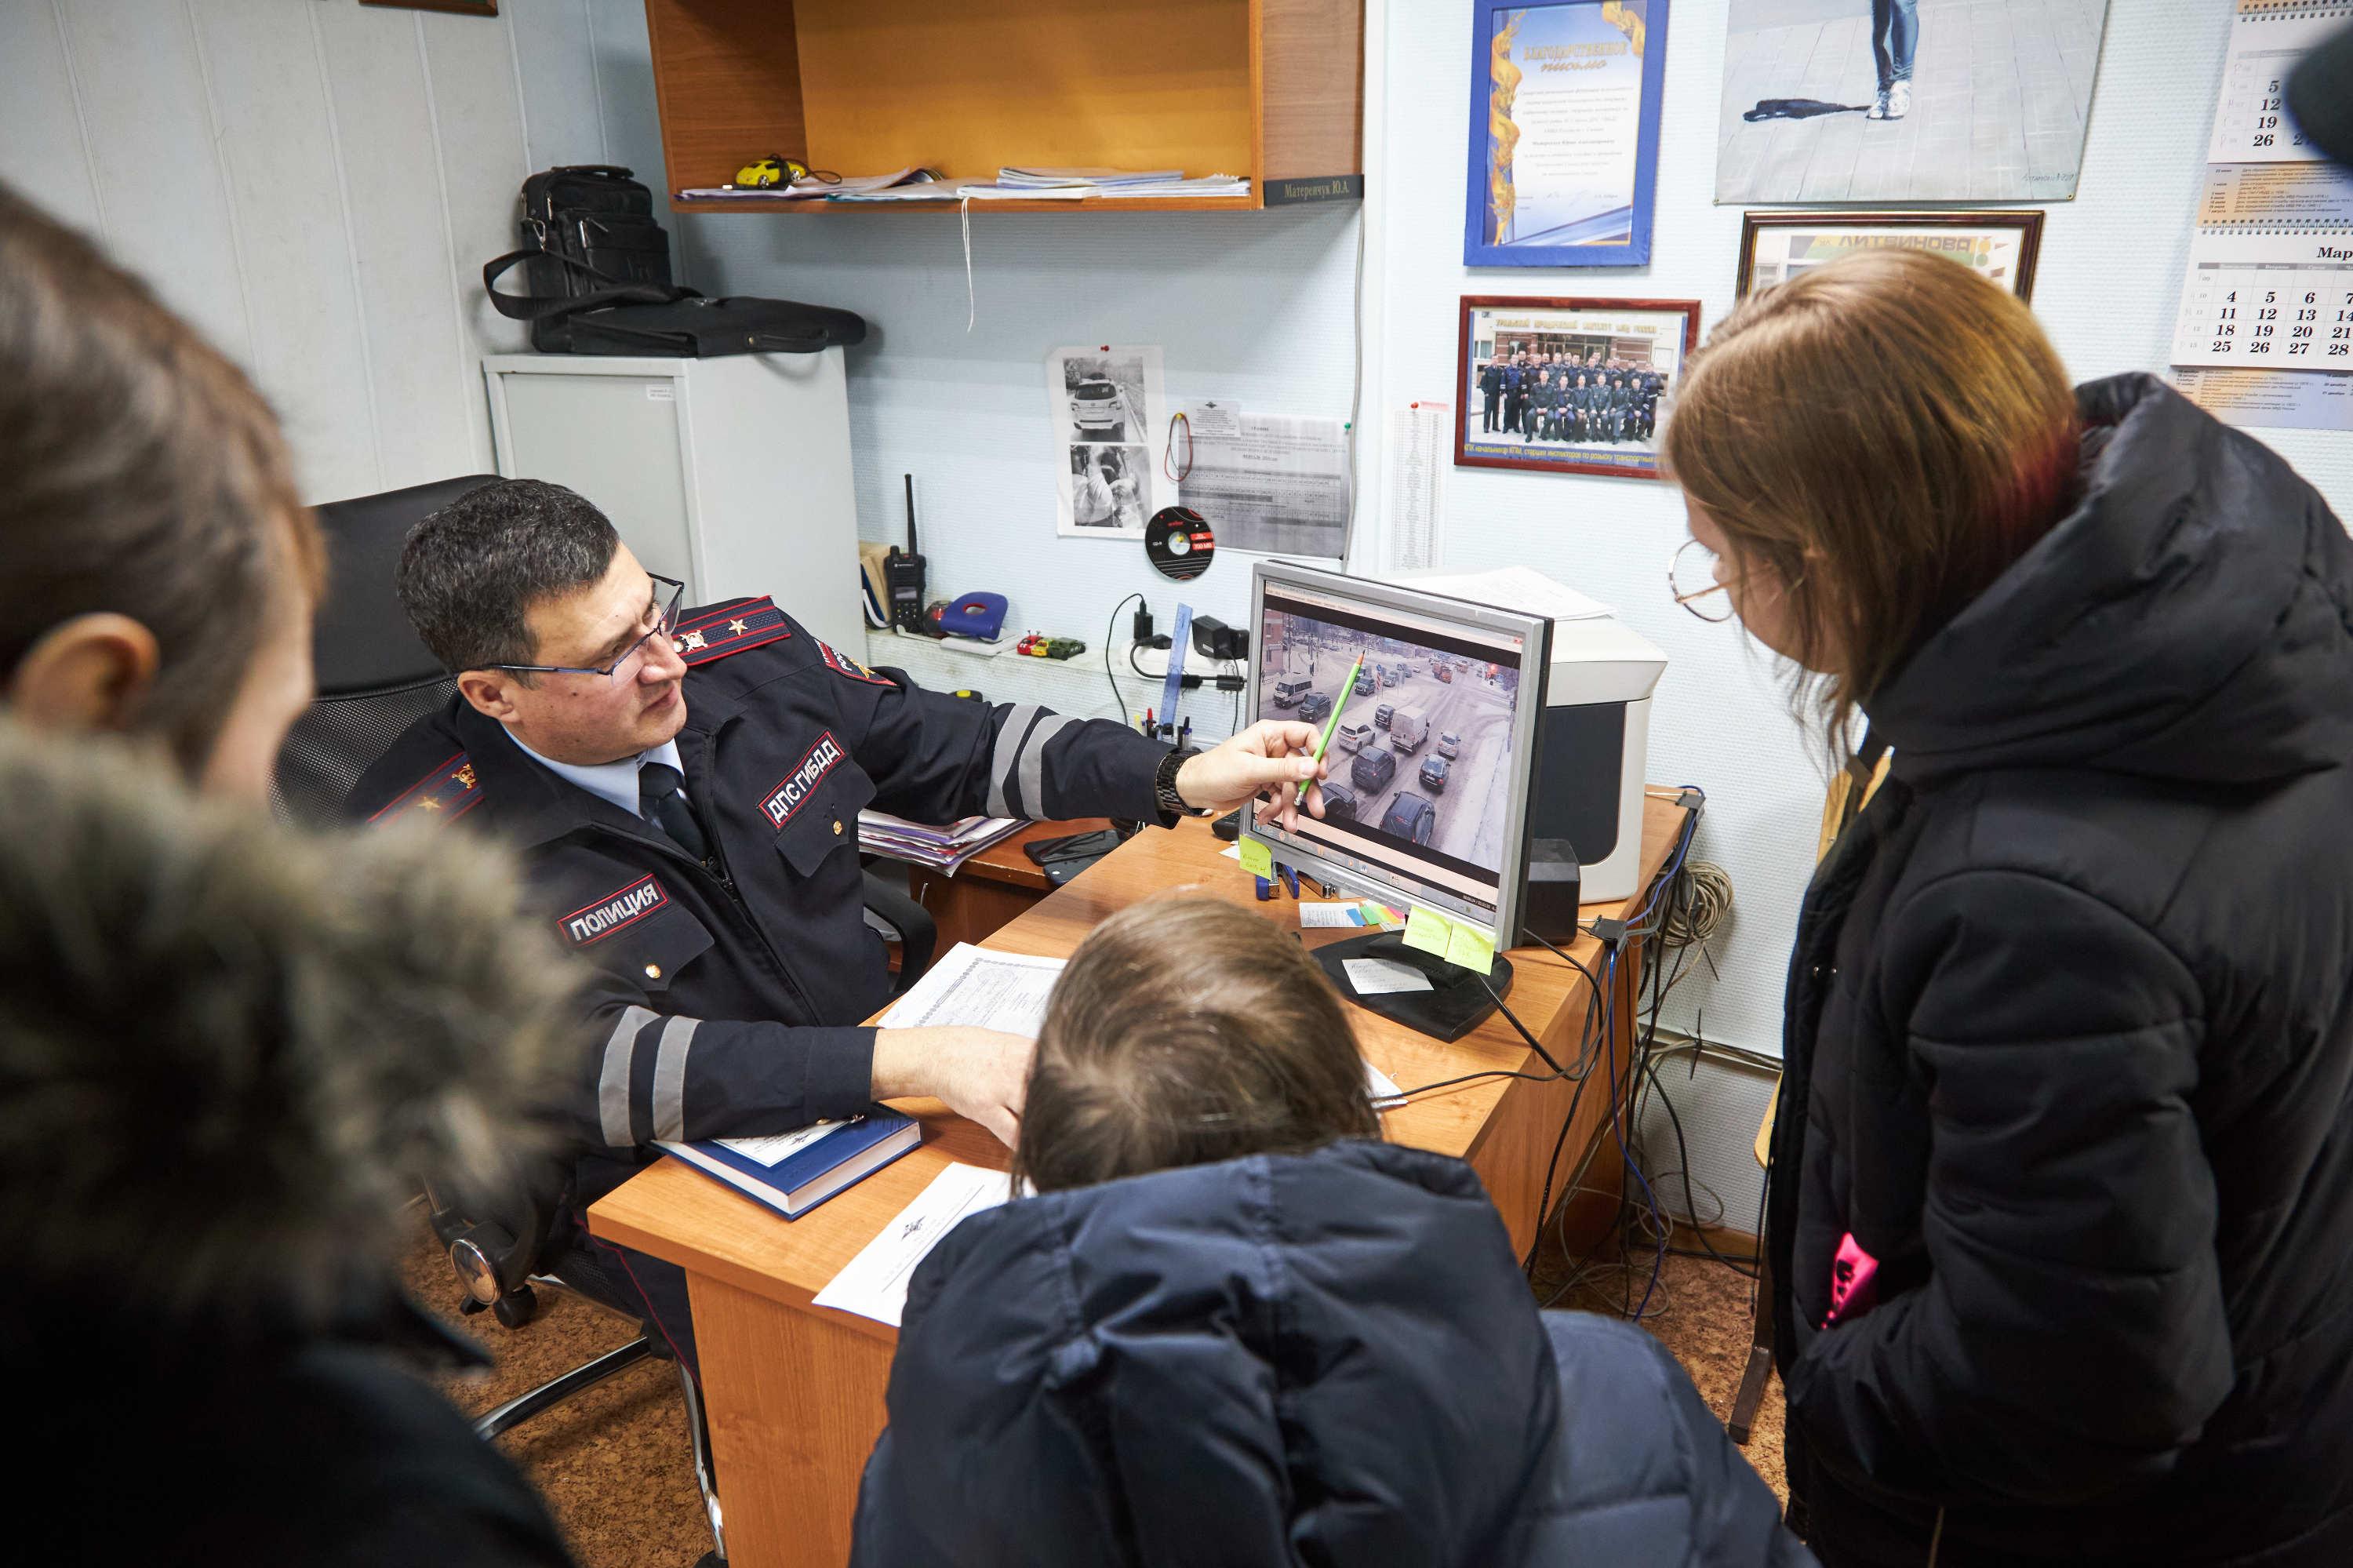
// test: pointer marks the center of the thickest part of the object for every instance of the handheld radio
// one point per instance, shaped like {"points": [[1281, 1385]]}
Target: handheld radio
{"points": [[903, 575]]}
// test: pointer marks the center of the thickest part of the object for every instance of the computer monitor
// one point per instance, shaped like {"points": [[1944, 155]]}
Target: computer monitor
{"points": [[1428, 798]]}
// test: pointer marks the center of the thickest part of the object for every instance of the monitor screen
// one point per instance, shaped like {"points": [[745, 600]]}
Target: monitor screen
{"points": [[1435, 728]]}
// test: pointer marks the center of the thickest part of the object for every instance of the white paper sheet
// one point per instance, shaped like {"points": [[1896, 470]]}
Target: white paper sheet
{"points": [[1324, 915], [874, 1283], [1419, 454], [1381, 1086], [1214, 421], [1110, 421], [1379, 976], [977, 988], [1279, 486], [1523, 588], [780, 1147]]}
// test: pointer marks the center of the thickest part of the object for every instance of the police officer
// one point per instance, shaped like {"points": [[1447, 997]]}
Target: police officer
{"points": [[684, 788], [1516, 376], [1491, 392], [1580, 406], [1539, 409]]}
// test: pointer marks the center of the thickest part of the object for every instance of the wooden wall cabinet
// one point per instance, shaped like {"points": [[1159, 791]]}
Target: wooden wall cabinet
{"points": [[1272, 90]]}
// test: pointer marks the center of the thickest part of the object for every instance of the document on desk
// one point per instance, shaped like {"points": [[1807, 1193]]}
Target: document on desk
{"points": [[874, 1283], [973, 986]]}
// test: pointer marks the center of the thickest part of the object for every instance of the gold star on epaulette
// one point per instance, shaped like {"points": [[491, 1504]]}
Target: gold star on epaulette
{"points": [[691, 640], [429, 805], [737, 627]]}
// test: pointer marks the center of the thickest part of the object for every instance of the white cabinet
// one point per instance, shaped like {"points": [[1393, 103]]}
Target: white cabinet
{"points": [[732, 474]]}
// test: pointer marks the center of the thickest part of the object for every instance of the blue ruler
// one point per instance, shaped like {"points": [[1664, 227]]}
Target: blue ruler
{"points": [[1178, 639]]}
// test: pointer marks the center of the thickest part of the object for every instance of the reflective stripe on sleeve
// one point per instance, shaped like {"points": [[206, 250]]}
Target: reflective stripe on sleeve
{"points": [[670, 1079], [613, 1080], [1008, 757], [1032, 766]]}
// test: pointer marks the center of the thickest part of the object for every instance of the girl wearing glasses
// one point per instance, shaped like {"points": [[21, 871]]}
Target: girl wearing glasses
{"points": [[2060, 1230]]}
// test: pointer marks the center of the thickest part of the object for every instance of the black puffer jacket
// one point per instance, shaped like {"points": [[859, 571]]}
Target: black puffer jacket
{"points": [[1330, 1359], [2069, 1048]]}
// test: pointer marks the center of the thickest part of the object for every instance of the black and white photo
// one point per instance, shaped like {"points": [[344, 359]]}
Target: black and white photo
{"points": [[1107, 407]]}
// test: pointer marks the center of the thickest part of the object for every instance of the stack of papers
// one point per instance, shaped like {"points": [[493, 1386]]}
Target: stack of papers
{"points": [[944, 849], [1103, 180]]}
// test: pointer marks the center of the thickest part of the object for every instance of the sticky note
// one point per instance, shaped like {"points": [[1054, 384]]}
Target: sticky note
{"points": [[1428, 930], [1256, 858], [1469, 945]]}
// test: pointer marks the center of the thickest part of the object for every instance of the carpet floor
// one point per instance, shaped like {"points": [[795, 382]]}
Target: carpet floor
{"points": [[616, 1468]]}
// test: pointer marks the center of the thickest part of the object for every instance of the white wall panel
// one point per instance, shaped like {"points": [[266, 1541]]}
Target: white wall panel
{"points": [[421, 365], [142, 96], [42, 153], [556, 69], [285, 197]]}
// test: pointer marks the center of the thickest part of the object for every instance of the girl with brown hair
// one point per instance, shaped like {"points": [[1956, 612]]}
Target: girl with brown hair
{"points": [[1237, 1327], [2061, 1227]]}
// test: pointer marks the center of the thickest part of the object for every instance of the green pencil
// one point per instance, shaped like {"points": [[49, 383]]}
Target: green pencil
{"points": [[1333, 727]]}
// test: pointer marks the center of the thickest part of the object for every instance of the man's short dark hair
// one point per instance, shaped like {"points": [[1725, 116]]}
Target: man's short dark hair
{"points": [[471, 573]]}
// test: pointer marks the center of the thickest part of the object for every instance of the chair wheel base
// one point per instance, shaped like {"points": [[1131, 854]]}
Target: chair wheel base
{"points": [[516, 1308]]}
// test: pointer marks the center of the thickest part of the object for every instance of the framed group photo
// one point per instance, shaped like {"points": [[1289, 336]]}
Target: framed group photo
{"points": [[1568, 385], [2000, 245], [1563, 133]]}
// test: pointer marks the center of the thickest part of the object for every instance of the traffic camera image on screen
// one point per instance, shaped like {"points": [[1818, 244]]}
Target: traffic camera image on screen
{"points": [[1421, 766]]}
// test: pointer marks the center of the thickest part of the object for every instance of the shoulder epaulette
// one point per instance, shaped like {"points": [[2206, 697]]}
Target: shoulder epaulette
{"points": [[707, 634], [842, 663], [445, 794]]}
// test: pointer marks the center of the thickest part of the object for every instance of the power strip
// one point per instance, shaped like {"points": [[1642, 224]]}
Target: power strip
{"points": [[1153, 661]]}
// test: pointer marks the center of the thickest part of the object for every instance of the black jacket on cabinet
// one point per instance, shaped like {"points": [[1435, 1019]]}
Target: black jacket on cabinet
{"points": [[2061, 1218]]}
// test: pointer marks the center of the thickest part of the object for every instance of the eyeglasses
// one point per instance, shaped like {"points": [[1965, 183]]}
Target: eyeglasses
{"points": [[1702, 568], [665, 623]]}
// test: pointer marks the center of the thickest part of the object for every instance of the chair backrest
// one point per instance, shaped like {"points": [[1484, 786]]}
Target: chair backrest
{"points": [[376, 678]]}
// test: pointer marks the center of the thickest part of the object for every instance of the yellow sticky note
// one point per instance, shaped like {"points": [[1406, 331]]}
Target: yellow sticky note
{"points": [[1427, 930], [1256, 858], [1469, 946]]}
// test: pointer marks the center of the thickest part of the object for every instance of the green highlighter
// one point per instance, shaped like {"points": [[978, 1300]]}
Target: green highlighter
{"points": [[1333, 727]]}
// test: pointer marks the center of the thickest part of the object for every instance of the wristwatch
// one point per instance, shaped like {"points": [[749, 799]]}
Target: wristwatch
{"points": [[1164, 783]]}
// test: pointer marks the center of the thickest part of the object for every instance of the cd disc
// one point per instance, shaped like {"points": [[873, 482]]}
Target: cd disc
{"points": [[1178, 543]]}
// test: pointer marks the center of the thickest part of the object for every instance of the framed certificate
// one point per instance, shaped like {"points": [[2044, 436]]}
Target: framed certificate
{"points": [[1564, 145], [1568, 385], [1777, 245]]}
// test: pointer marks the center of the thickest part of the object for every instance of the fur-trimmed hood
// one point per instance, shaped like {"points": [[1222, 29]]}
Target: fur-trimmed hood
{"points": [[228, 1049]]}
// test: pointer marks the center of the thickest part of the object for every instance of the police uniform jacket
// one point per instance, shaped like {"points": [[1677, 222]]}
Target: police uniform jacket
{"points": [[727, 995], [1491, 379]]}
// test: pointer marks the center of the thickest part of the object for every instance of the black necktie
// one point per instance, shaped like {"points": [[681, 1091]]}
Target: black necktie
{"points": [[659, 798]]}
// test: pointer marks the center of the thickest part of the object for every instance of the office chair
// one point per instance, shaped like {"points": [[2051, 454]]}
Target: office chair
{"points": [[375, 679]]}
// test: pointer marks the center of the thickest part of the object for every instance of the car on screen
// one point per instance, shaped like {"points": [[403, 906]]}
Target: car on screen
{"points": [[1382, 714], [1352, 737], [1289, 694], [1315, 707], [1433, 773], [1365, 681], [1375, 766], [1450, 745], [1411, 817], [1339, 802]]}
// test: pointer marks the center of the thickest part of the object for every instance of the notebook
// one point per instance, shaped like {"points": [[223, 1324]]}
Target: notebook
{"points": [[793, 1173]]}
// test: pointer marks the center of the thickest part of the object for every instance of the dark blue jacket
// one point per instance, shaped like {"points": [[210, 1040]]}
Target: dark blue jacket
{"points": [[728, 995], [2070, 1049], [1328, 1359]]}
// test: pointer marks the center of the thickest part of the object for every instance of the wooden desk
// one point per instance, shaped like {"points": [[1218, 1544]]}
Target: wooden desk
{"points": [[795, 1391], [995, 886]]}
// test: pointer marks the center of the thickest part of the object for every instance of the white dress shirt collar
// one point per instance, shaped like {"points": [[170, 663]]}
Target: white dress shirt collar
{"points": [[614, 781]]}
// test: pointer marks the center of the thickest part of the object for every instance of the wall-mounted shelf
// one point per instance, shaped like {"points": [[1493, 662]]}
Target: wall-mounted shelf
{"points": [[1271, 90]]}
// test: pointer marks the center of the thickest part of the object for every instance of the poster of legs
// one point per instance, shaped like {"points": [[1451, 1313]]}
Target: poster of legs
{"points": [[1107, 404], [1903, 100], [1570, 386]]}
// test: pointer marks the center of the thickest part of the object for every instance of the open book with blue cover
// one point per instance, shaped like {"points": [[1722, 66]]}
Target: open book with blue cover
{"points": [[793, 1173]]}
